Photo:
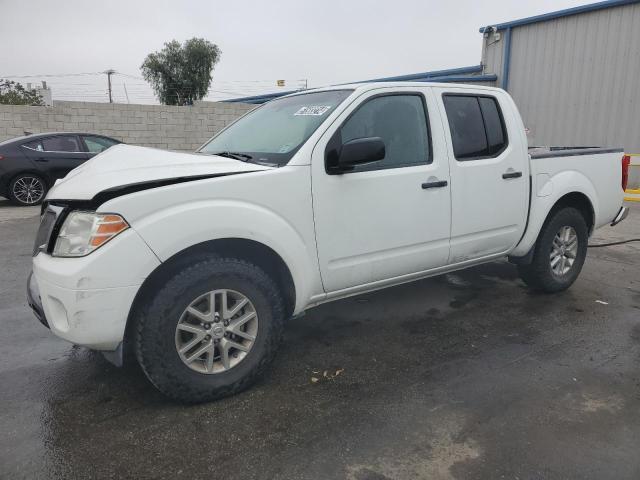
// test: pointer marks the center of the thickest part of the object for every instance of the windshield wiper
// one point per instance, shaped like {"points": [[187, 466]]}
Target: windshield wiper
{"points": [[243, 157]]}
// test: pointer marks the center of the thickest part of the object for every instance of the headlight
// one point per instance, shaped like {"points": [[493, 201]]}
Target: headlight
{"points": [[83, 232]]}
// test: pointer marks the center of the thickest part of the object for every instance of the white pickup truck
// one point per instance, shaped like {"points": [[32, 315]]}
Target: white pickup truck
{"points": [[195, 261]]}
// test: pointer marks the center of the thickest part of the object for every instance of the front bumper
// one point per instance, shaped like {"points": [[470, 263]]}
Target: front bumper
{"points": [[35, 301], [87, 300], [92, 318]]}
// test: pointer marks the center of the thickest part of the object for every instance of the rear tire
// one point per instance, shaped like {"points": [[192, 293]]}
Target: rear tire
{"points": [[171, 319], [27, 189], [559, 252]]}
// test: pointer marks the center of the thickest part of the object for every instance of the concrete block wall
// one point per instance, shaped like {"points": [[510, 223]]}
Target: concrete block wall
{"points": [[160, 126]]}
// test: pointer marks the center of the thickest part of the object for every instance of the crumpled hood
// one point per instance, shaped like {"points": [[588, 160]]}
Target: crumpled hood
{"points": [[126, 165]]}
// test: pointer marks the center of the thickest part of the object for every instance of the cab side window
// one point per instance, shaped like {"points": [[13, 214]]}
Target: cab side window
{"points": [[400, 121], [477, 126]]}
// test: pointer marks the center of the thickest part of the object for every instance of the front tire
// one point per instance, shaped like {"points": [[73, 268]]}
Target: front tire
{"points": [[27, 190], [210, 331], [559, 252]]}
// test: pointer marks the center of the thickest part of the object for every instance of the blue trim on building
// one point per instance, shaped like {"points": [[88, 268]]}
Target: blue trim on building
{"points": [[460, 78], [423, 75], [450, 75], [592, 7]]}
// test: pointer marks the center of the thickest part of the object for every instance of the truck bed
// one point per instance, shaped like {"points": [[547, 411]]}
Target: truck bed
{"points": [[595, 172]]}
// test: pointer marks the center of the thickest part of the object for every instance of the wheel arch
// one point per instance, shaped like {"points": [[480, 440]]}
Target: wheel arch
{"points": [[31, 171], [580, 202], [544, 210], [255, 252]]}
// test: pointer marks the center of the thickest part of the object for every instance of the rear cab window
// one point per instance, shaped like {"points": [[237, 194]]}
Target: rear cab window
{"points": [[477, 126]]}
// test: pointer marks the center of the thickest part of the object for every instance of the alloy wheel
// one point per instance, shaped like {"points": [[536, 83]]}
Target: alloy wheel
{"points": [[28, 190], [564, 250], [216, 331]]}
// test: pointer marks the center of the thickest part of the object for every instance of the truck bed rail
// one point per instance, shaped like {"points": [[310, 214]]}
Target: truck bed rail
{"points": [[547, 152]]}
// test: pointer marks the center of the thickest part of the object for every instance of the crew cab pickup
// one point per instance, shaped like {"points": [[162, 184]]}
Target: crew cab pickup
{"points": [[195, 261]]}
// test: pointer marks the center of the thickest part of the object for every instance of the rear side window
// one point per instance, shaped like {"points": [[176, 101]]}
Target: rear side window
{"points": [[35, 145], [401, 122], [493, 125], [97, 144], [63, 143], [476, 124]]}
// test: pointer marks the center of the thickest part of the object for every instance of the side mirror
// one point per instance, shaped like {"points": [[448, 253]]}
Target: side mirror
{"points": [[357, 152]]}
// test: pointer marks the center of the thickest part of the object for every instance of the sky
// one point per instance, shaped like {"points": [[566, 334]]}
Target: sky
{"points": [[314, 43]]}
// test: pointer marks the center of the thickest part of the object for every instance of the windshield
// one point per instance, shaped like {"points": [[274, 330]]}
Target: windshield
{"points": [[274, 132]]}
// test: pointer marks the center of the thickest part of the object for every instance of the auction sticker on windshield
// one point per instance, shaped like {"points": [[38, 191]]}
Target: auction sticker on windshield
{"points": [[313, 110]]}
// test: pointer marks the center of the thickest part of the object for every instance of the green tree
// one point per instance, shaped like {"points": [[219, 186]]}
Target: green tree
{"points": [[181, 74], [13, 93]]}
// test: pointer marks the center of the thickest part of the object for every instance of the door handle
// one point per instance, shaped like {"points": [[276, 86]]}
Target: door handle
{"points": [[43, 160], [437, 184], [511, 175]]}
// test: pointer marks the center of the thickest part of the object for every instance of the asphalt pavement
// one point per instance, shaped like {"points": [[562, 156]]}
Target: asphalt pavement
{"points": [[462, 376]]}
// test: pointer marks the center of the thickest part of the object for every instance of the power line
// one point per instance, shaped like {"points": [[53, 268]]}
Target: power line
{"points": [[51, 75], [130, 76], [54, 75], [138, 88], [260, 85]]}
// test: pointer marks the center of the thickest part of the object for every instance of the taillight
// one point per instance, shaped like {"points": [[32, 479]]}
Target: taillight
{"points": [[626, 160], [1, 157]]}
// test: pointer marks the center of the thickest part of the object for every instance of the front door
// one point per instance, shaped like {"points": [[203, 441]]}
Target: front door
{"points": [[390, 218]]}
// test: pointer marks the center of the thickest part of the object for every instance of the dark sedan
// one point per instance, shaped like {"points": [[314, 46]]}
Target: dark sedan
{"points": [[30, 165]]}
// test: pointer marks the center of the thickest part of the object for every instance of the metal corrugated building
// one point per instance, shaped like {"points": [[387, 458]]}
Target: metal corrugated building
{"points": [[574, 74]]}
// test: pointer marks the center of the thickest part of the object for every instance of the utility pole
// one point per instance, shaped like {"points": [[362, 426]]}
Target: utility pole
{"points": [[110, 72]]}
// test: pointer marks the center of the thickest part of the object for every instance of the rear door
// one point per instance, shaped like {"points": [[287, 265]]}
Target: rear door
{"points": [[387, 219], [57, 155], [489, 172]]}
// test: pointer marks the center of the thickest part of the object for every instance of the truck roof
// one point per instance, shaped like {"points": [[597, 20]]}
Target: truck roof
{"points": [[365, 86]]}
